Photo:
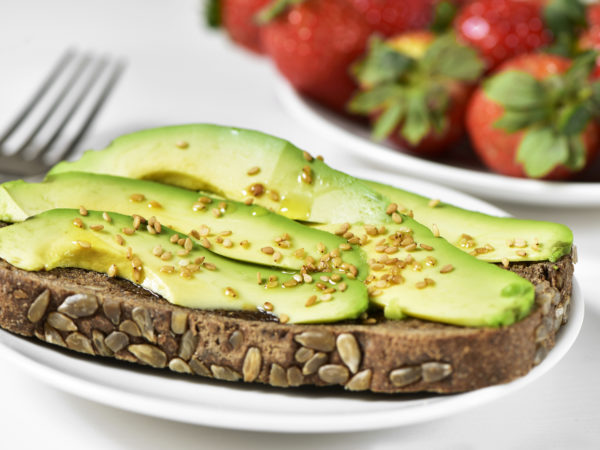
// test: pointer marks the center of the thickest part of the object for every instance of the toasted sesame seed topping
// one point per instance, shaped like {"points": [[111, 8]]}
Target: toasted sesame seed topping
{"points": [[167, 269], [421, 285], [284, 318], [136, 222], [435, 230], [136, 263], [182, 145], [321, 247], [307, 278], [277, 256], [245, 244], [128, 231], [106, 217], [307, 156], [78, 222], [150, 229], [259, 278], [174, 238], [274, 196], [230, 292], [345, 246], [158, 250], [97, 227], [299, 253], [391, 209], [83, 244], [257, 189], [311, 301], [447, 268], [198, 206], [137, 197], [166, 256], [505, 262], [199, 260], [183, 252], [216, 212], [249, 201], [290, 283], [267, 250], [83, 211], [209, 266], [326, 297], [119, 239], [268, 306], [371, 230], [320, 158], [433, 202], [112, 271], [411, 247], [522, 253], [205, 243], [426, 247], [253, 170], [157, 227], [188, 244], [227, 243], [397, 218], [342, 286]]}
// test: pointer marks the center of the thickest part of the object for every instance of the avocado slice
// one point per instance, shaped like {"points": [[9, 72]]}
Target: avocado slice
{"points": [[231, 161], [186, 275], [243, 232], [489, 238], [239, 165], [413, 273]]}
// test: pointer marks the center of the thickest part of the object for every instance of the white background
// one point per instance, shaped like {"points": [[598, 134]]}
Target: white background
{"points": [[180, 72]]}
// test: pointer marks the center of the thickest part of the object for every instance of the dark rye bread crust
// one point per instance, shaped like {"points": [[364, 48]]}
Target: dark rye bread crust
{"points": [[115, 318]]}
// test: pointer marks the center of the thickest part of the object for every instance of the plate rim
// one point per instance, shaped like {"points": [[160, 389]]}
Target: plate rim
{"points": [[572, 194], [174, 409]]}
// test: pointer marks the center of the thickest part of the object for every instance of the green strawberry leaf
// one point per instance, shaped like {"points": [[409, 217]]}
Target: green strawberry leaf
{"points": [[417, 123], [516, 89], [579, 73], [572, 119], [388, 120], [443, 15], [212, 13], [564, 17], [274, 10], [541, 150], [370, 101], [448, 58], [577, 153], [383, 64], [514, 120]]}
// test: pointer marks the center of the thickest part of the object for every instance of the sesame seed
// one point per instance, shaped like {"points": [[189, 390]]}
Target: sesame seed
{"points": [[183, 252], [343, 229], [392, 208], [377, 267], [195, 234], [268, 306], [136, 222], [128, 231], [167, 269], [520, 243], [272, 284], [397, 218], [345, 246], [257, 189], [199, 260], [371, 230], [390, 250], [137, 276], [376, 293], [430, 261], [505, 262], [106, 217], [300, 253], [326, 297], [150, 229], [267, 250], [119, 239], [97, 227], [421, 285], [227, 243], [307, 156], [166, 256], [174, 238], [188, 244], [253, 170], [307, 278], [204, 230], [249, 201], [321, 247], [230, 292], [205, 242], [83, 244], [381, 284], [137, 197], [158, 250], [426, 247], [112, 271], [245, 244], [136, 263], [274, 195], [411, 247], [277, 256], [433, 202], [209, 266], [78, 222], [198, 206], [311, 301], [216, 212], [290, 283], [182, 145], [184, 273], [521, 253], [382, 230], [157, 227], [342, 286], [259, 278], [284, 318], [435, 230], [83, 211], [447, 268], [320, 158], [429, 282]]}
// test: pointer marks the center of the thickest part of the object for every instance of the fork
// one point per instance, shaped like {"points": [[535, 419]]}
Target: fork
{"points": [[74, 80]]}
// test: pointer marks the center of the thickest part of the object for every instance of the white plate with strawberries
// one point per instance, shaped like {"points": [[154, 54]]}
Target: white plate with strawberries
{"points": [[461, 170]]}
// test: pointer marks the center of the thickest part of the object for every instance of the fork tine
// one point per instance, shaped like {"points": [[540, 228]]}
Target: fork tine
{"points": [[81, 66], [116, 73], [84, 91], [56, 71]]}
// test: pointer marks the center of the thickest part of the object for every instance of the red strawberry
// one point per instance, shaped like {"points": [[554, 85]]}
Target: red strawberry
{"points": [[535, 117], [238, 19], [392, 17], [593, 14], [501, 29], [415, 88], [313, 44]]}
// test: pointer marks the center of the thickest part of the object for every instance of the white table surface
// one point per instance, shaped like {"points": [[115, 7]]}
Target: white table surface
{"points": [[180, 72]]}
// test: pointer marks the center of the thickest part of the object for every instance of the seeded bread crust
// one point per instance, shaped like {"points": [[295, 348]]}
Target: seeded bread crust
{"points": [[92, 313]]}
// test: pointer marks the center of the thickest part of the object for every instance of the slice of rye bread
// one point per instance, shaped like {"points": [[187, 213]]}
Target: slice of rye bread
{"points": [[92, 313]]}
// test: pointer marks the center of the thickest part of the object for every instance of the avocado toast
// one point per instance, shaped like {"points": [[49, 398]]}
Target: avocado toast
{"points": [[439, 317]]}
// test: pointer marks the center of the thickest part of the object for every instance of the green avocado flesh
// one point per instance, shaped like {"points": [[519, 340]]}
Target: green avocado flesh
{"points": [[237, 164], [486, 237], [243, 232], [413, 273], [196, 279]]}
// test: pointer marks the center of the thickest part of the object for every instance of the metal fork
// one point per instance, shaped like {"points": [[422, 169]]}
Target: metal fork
{"points": [[75, 79]]}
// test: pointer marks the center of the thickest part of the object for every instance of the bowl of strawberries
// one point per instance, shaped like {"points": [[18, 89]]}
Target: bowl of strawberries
{"points": [[498, 97]]}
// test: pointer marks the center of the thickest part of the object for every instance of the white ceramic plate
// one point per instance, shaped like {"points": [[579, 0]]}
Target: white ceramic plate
{"points": [[201, 401], [459, 170]]}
